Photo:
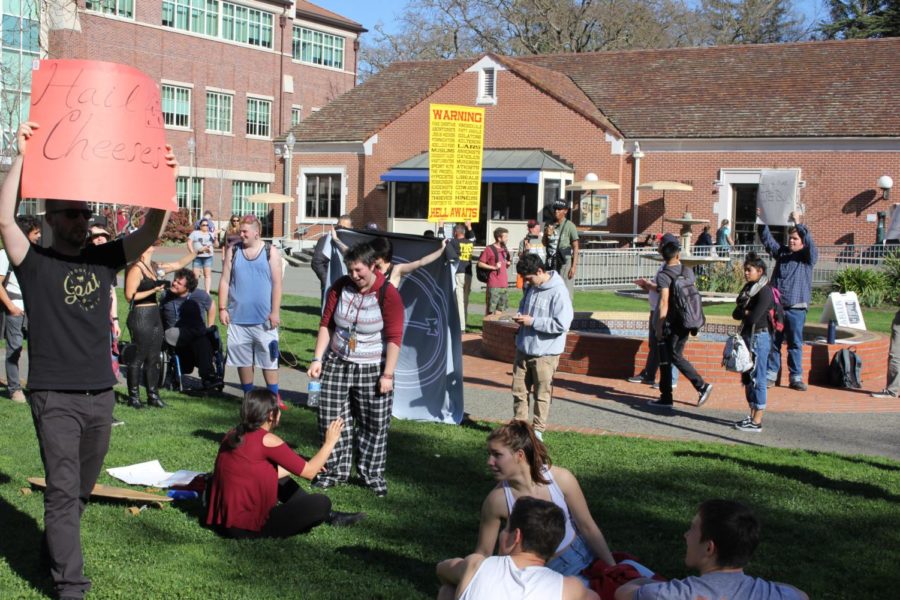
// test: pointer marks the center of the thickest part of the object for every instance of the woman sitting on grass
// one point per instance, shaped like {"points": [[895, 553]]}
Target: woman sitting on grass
{"points": [[520, 463], [252, 476]]}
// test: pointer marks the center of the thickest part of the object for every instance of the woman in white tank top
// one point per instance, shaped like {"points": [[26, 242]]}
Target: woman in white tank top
{"points": [[522, 467]]}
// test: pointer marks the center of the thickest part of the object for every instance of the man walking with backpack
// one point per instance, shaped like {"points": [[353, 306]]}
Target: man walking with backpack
{"points": [[495, 261], [680, 314]]}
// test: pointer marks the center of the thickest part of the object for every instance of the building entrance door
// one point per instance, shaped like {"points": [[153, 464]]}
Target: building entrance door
{"points": [[745, 217]]}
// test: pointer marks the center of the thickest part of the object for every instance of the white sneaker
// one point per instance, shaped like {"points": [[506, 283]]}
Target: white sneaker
{"points": [[18, 397], [883, 395], [539, 435]]}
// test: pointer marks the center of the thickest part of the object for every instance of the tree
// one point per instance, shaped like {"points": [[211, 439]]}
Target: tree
{"points": [[749, 22], [862, 19]]}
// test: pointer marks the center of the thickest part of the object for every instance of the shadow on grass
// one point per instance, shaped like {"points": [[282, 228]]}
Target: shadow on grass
{"points": [[207, 434], [801, 475], [20, 545], [303, 309], [395, 565]]}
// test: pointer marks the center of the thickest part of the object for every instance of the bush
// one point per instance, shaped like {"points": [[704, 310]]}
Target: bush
{"points": [[892, 274], [871, 286], [721, 277], [179, 227]]}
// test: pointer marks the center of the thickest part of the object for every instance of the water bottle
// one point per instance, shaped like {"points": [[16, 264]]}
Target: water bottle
{"points": [[312, 392], [182, 494]]}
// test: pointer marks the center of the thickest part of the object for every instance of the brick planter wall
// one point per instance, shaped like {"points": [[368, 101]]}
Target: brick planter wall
{"points": [[618, 357]]}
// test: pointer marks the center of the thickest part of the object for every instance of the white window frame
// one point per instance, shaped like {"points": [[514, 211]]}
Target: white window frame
{"points": [[182, 185], [302, 217], [220, 94], [200, 13], [296, 110], [178, 87], [324, 41], [268, 125], [111, 8]]}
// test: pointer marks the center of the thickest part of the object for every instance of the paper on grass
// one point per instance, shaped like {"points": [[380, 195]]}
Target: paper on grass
{"points": [[151, 473]]}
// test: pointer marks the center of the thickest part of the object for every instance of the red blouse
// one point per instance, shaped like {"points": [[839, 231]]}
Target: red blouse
{"points": [[245, 482]]}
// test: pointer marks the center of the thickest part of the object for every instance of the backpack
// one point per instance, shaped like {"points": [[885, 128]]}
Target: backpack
{"points": [[845, 370], [737, 357], [776, 313], [686, 301], [483, 274]]}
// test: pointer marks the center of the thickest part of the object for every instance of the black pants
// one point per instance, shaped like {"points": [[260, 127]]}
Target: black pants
{"points": [[671, 352], [197, 352], [145, 327], [73, 434], [298, 513]]}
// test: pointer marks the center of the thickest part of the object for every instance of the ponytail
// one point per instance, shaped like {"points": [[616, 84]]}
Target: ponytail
{"points": [[519, 435], [258, 406]]}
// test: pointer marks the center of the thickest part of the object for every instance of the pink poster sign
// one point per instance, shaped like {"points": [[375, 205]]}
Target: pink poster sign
{"points": [[101, 136]]}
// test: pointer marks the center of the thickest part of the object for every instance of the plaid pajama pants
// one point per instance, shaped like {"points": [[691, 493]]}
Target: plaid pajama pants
{"points": [[350, 391]]}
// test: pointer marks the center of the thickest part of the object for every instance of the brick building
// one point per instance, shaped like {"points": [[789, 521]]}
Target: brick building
{"points": [[714, 118], [233, 75]]}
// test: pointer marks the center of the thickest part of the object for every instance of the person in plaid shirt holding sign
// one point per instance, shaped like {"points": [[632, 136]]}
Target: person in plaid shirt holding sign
{"points": [[361, 328]]}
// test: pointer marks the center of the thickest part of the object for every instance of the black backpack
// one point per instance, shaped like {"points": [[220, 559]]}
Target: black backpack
{"points": [[845, 370], [483, 274], [686, 301]]}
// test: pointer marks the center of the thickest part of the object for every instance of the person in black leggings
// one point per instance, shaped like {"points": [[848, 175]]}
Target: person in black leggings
{"points": [[252, 463], [145, 325]]}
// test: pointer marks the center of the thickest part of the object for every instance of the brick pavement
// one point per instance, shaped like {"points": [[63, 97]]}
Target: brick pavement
{"points": [[488, 373]]}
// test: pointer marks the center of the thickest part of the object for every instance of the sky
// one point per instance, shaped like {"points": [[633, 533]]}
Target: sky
{"points": [[369, 12]]}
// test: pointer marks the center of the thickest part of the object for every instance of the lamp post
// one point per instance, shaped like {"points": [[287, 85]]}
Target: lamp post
{"points": [[286, 151], [192, 148]]}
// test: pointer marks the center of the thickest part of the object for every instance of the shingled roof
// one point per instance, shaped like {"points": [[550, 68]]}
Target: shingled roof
{"points": [[308, 10], [809, 89]]}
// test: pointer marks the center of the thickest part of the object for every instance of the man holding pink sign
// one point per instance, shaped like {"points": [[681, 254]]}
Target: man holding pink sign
{"points": [[66, 286]]}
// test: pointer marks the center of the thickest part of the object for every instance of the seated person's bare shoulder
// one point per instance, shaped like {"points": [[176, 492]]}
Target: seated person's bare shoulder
{"points": [[270, 440]]}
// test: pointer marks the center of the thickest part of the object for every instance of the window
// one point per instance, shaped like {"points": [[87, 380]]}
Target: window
{"points": [[296, 115], [197, 16], [240, 191], [487, 86], [183, 187], [318, 48], [218, 112], [176, 105], [513, 201], [259, 113], [246, 25], [594, 210], [121, 8], [323, 195], [411, 200], [20, 47]]}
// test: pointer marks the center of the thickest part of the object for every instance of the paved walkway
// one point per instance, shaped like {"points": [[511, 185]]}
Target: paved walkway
{"points": [[820, 419]]}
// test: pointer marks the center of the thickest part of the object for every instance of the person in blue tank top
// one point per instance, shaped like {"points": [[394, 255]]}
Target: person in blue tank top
{"points": [[250, 306]]}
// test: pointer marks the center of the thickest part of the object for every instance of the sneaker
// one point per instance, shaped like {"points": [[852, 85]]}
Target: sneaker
{"points": [[704, 394], [798, 385], [18, 397], [742, 422], [883, 395], [116, 422], [323, 484], [749, 426], [655, 386], [344, 519], [638, 379], [660, 405], [281, 405], [770, 383], [539, 435], [381, 493]]}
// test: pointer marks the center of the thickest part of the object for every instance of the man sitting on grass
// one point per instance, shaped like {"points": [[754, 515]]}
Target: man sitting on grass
{"points": [[533, 531], [721, 540]]}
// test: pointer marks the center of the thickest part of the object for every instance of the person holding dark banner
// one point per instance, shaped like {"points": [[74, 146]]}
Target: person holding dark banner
{"points": [[384, 256], [66, 292], [356, 357], [792, 277]]}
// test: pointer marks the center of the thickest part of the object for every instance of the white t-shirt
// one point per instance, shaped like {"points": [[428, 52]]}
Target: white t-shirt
{"points": [[498, 578], [12, 284], [200, 239]]}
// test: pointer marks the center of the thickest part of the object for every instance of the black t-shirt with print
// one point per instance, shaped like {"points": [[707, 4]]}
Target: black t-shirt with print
{"points": [[67, 302]]}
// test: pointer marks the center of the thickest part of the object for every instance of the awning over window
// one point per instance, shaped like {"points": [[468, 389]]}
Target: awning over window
{"points": [[487, 175], [498, 166]]}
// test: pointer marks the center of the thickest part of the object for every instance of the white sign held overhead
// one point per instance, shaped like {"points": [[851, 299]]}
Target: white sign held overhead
{"points": [[845, 310], [893, 232], [777, 195]]}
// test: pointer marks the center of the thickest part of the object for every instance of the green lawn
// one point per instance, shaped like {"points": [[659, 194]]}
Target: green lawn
{"points": [[828, 519]]}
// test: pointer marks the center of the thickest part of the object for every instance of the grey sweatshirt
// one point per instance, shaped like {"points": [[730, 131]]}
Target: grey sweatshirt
{"points": [[551, 308]]}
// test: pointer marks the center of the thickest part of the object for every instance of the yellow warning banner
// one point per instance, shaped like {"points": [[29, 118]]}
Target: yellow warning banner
{"points": [[456, 144]]}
